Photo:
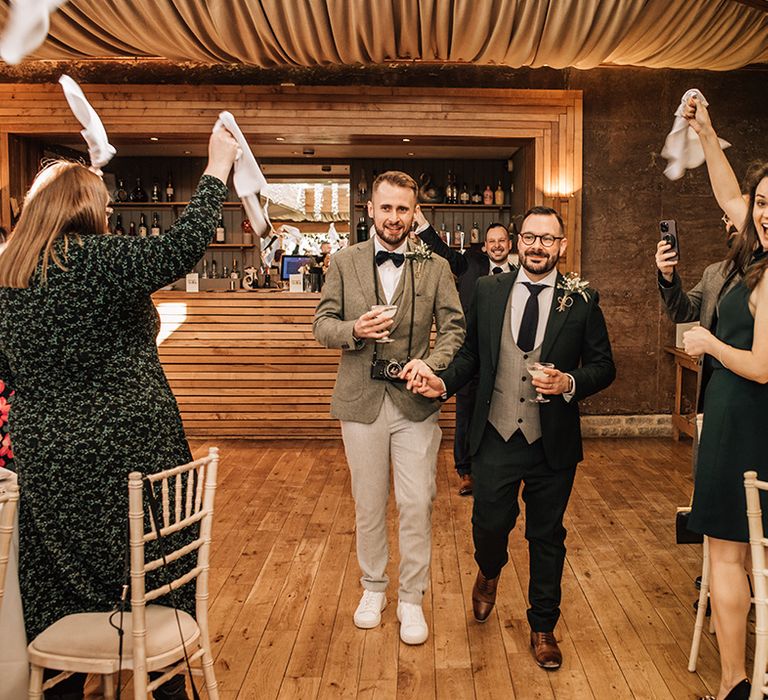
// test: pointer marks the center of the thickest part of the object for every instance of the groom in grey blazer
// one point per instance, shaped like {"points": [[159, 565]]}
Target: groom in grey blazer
{"points": [[381, 421]]}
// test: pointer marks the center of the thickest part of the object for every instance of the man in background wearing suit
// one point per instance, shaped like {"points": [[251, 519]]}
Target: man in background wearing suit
{"points": [[468, 267], [517, 320], [380, 418]]}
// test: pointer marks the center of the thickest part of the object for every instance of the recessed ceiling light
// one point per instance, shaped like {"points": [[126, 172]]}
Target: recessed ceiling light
{"points": [[411, 153], [279, 138], [406, 140], [153, 138], [295, 153], [186, 153]]}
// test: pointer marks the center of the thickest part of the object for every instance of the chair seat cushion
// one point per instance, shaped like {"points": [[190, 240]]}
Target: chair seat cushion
{"points": [[90, 636]]}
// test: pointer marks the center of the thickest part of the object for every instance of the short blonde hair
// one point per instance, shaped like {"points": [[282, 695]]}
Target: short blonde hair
{"points": [[66, 201]]}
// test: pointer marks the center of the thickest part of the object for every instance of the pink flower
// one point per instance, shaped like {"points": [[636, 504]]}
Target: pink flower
{"points": [[5, 408], [5, 447]]}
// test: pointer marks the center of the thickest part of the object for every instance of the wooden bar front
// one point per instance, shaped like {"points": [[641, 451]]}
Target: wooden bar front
{"points": [[245, 365]]}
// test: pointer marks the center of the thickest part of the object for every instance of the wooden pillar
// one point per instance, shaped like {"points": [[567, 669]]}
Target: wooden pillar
{"points": [[5, 181]]}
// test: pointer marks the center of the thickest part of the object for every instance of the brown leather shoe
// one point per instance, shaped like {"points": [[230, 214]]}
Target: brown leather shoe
{"points": [[466, 485], [545, 650], [483, 596]]}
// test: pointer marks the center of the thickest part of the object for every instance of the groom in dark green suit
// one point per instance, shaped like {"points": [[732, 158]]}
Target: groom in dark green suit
{"points": [[517, 319]]}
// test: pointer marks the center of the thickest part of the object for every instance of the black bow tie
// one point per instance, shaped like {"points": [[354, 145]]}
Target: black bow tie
{"points": [[383, 255]]}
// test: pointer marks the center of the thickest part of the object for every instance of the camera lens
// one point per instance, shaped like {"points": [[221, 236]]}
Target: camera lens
{"points": [[393, 369], [664, 226]]}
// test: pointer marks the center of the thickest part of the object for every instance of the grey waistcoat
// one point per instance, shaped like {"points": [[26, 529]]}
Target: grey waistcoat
{"points": [[508, 413]]}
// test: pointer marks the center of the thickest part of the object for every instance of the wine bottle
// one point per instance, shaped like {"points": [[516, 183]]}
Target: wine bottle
{"points": [[155, 197], [138, 193], [169, 191], [119, 230], [221, 232], [132, 229], [155, 229], [120, 194], [361, 231], [143, 230]]}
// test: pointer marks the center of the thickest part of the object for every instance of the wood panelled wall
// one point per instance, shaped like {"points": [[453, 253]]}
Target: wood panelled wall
{"points": [[551, 120], [245, 365]]}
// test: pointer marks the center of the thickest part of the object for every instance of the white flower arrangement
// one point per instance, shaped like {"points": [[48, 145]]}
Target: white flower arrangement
{"points": [[419, 255], [571, 284]]}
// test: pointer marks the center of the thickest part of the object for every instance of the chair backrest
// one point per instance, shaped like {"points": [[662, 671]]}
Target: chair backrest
{"points": [[185, 496], [9, 498], [757, 544]]}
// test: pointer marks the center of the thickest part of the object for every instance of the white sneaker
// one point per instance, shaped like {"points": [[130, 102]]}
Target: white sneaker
{"points": [[413, 626], [368, 613]]}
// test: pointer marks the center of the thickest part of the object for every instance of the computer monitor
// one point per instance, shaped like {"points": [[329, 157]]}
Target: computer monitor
{"points": [[290, 264]]}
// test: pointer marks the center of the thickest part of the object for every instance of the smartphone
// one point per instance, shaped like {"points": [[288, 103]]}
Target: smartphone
{"points": [[668, 233]]}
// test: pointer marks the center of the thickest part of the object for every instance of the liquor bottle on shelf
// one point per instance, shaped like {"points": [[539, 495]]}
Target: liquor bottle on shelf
{"points": [[138, 193], [247, 230], [444, 234], [267, 279], [361, 231], [498, 196], [155, 228], [214, 273], [464, 196], [362, 188], [119, 230], [205, 270], [487, 196], [474, 234], [169, 191], [235, 274], [221, 232], [155, 196], [454, 191], [225, 272], [132, 229], [143, 230], [449, 188], [458, 236], [477, 197], [120, 194]]}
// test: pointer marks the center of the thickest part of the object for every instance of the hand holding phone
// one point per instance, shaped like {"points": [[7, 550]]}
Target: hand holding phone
{"points": [[668, 233]]}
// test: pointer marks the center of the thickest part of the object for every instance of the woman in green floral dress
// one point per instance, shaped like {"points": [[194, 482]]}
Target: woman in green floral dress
{"points": [[91, 404]]}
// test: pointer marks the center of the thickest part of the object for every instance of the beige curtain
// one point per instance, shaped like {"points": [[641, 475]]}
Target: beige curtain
{"points": [[711, 34]]}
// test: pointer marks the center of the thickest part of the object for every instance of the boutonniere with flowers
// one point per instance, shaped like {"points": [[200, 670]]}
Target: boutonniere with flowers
{"points": [[571, 284], [419, 255]]}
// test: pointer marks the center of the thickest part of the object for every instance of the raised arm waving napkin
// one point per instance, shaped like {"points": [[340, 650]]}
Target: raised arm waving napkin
{"points": [[27, 28], [682, 148], [248, 178], [100, 150]]}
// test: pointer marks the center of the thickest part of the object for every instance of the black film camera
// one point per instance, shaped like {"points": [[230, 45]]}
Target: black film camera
{"points": [[387, 370]]}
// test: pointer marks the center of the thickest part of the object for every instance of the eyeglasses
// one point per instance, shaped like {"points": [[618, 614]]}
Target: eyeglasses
{"points": [[547, 239]]}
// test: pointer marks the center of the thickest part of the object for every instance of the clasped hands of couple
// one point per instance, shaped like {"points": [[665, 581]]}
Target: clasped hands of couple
{"points": [[420, 377]]}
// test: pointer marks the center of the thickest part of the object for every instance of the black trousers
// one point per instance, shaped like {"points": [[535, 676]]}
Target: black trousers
{"points": [[465, 404], [499, 469]]}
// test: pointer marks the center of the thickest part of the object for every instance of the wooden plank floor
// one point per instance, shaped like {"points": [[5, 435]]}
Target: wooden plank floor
{"points": [[285, 585]]}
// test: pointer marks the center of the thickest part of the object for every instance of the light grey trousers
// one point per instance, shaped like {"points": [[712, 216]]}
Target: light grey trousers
{"points": [[412, 449]]}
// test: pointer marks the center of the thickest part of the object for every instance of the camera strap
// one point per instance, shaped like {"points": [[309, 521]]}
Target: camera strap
{"points": [[413, 305]]}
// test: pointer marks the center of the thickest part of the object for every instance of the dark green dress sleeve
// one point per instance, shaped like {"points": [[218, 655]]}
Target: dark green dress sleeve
{"points": [[144, 265]]}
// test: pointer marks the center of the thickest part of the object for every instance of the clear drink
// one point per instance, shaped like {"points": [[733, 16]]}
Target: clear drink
{"points": [[384, 311], [536, 370]]}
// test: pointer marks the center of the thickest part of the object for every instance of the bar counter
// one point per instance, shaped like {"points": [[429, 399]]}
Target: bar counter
{"points": [[245, 365]]}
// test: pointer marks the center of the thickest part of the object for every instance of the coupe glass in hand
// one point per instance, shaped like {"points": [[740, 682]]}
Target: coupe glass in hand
{"points": [[536, 370], [384, 311]]}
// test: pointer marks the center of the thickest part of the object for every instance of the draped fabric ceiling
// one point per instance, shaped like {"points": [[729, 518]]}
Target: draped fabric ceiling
{"points": [[708, 34]]}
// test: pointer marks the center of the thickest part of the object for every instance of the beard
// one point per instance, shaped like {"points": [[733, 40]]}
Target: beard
{"points": [[539, 268], [391, 237]]}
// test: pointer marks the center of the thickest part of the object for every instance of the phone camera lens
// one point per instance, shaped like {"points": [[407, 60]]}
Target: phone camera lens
{"points": [[664, 227]]}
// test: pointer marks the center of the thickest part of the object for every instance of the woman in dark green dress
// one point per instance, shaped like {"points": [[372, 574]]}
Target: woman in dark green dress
{"points": [[91, 404], [735, 408]]}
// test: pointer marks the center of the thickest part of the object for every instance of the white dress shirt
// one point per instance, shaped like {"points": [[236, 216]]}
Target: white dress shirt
{"points": [[389, 273], [520, 296], [505, 266]]}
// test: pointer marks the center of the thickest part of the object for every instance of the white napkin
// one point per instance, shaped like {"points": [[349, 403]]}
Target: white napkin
{"points": [[27, 28], [682, 148], [248, 178], [100, 149]]}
